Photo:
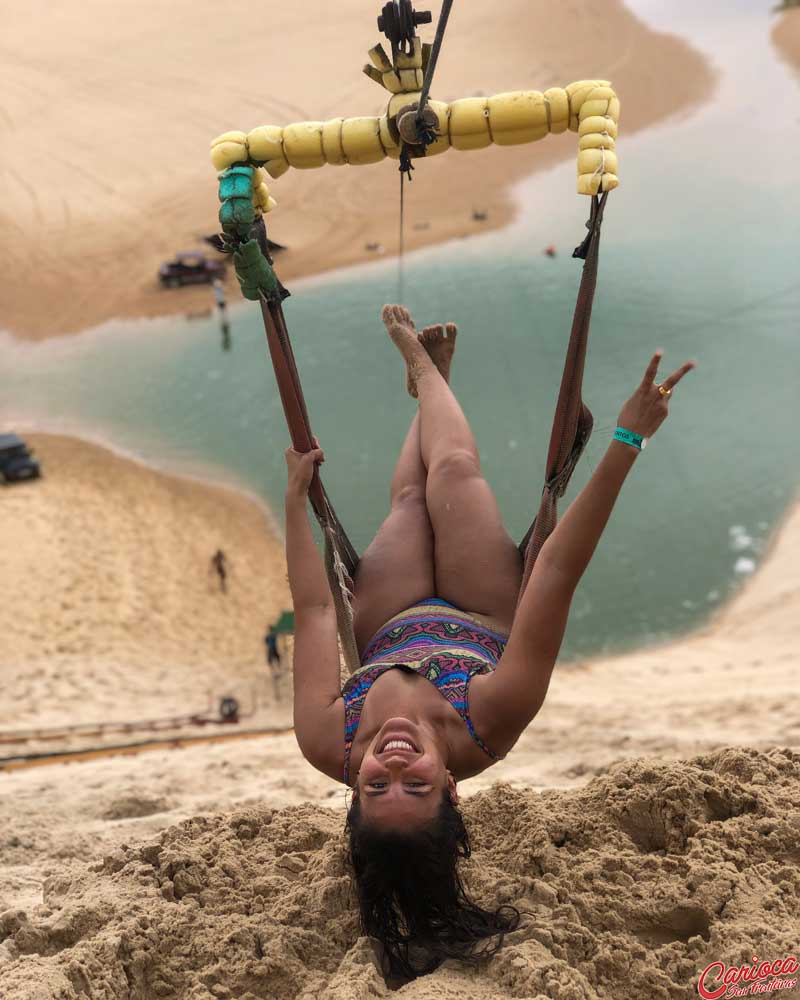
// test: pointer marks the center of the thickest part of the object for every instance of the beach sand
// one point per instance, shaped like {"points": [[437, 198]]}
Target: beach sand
{"points": [[217, 870], [110, 597], [108, 111], [786, 37]]}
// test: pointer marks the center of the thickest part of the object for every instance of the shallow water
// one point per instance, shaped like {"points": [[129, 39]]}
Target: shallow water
{"points": [[702, 265]]}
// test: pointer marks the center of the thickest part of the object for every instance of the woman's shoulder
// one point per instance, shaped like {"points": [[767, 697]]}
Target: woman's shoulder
{"points": [[496, 723]]}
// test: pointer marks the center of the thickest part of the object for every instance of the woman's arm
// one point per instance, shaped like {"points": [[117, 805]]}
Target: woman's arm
{"points": [[523, 674], [318, 709]]}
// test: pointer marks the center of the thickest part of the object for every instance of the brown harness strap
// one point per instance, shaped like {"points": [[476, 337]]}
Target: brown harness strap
{"points": [[341, 559], [572, 423]]}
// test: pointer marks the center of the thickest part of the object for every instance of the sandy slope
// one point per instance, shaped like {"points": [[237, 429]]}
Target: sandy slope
{"points": [[109, 606], [107, 111], [786, 37]]}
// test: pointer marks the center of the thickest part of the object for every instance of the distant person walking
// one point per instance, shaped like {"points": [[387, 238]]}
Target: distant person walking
{"points": [[219, 566], [224, 325], [271, 642], [273, 659]]}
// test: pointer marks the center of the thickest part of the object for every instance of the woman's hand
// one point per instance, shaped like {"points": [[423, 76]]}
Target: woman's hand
{"points": [[301, 467], [648, 407]]}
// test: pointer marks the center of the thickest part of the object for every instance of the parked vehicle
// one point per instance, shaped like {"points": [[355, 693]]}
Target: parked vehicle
{"points": [[190, 268], [16, 461]]}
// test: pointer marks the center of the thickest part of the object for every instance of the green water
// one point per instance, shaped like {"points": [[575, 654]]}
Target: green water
{"points": [[703, 264]]}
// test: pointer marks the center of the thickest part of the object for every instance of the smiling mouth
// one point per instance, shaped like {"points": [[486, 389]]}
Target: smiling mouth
{"points": [[396, 745]]}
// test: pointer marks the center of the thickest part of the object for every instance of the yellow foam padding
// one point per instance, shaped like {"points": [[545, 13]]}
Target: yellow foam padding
{"points": [[229, 148], [414, 60], [390, 144], [361, 140], [262, 199], [595, 183], [469, 124], [400, 101], [588, 107], [302, 144], [517, 117], [558, 102], [391, 81], [442, 144], [265, 143], [596, 140], [579, 92], [410, 79], [379, 59], [603, 126], [332, 148], [592, 161], [276, 168]]}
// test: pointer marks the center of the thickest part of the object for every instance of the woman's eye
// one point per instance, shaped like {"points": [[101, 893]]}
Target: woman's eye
{"points": [[377, 784], [416, 784]]}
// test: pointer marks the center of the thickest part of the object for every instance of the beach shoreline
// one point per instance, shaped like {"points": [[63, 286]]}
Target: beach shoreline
{"points": [[85, 250]]}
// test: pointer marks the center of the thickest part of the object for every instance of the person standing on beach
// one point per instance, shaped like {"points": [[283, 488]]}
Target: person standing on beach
{"points": [[222, 307], [273, 658], [219, 566], [455, 659]]}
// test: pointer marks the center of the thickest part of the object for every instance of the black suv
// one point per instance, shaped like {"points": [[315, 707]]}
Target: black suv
{"points": [[16, 462], [191, 268]]}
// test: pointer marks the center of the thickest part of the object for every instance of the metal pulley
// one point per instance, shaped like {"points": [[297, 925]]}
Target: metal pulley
{"points": [[417, 129], [399, 21]]}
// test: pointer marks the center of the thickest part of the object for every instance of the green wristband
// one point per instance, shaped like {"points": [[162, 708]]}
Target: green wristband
{"points": [[630, 437]]}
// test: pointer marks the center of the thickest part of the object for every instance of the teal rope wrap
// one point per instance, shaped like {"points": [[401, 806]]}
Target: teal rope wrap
{"points": [[237, 214], [254, 272]]}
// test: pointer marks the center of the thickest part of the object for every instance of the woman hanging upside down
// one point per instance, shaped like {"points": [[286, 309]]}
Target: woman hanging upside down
{"points": [[452, 670]]}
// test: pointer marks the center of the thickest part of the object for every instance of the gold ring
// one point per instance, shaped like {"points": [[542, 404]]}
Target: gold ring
{"points": [[666, 393]]}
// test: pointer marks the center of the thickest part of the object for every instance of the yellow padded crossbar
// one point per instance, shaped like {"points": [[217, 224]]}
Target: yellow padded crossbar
{"points": [[588, 107]]}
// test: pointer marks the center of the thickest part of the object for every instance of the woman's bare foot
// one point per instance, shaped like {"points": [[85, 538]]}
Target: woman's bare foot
{"points": [[440, 343], [401, 329]]}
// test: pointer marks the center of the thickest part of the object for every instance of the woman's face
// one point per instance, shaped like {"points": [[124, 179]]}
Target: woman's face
{"points": [[402, 777]]}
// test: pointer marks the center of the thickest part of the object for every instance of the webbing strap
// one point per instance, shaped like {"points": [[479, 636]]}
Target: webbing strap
{"points": [[341, 558], [572, 423]]}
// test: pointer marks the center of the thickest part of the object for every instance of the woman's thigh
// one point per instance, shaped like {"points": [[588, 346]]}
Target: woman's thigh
{"points": [[397, 569], [478, 566]]}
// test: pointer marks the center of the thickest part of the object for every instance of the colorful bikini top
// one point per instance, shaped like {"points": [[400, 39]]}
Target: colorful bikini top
{"points": [[437, 641]]}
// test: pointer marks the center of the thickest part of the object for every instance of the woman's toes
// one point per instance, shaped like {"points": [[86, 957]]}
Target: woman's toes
{"points": [[452, 331]]}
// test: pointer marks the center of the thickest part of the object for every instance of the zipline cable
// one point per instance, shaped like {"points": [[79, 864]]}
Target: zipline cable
{"points": [[401, 244], [441, 27], [405, 162]]}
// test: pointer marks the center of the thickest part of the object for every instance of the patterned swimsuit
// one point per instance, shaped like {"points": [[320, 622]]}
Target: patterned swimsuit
{"points": [[437, 641]]}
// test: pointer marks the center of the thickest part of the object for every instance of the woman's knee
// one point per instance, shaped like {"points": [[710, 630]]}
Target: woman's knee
{"points": [[409, 495], [458, 464]]}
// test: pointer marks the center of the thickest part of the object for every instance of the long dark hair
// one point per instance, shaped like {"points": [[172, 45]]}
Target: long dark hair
{"points": [[411, 897]]}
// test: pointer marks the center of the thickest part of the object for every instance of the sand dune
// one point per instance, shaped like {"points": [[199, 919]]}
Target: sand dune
{"points": [[107, 112], [109, 601]]}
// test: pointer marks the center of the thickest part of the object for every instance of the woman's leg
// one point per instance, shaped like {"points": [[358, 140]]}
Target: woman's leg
{"points": [[477, 565], [396, 570]]}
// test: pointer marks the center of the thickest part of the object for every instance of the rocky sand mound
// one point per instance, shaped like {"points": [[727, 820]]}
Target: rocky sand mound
{"points": [[628, 887]]}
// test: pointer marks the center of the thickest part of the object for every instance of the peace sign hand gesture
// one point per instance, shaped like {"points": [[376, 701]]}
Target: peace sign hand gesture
{"points": [[648, 407]]}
